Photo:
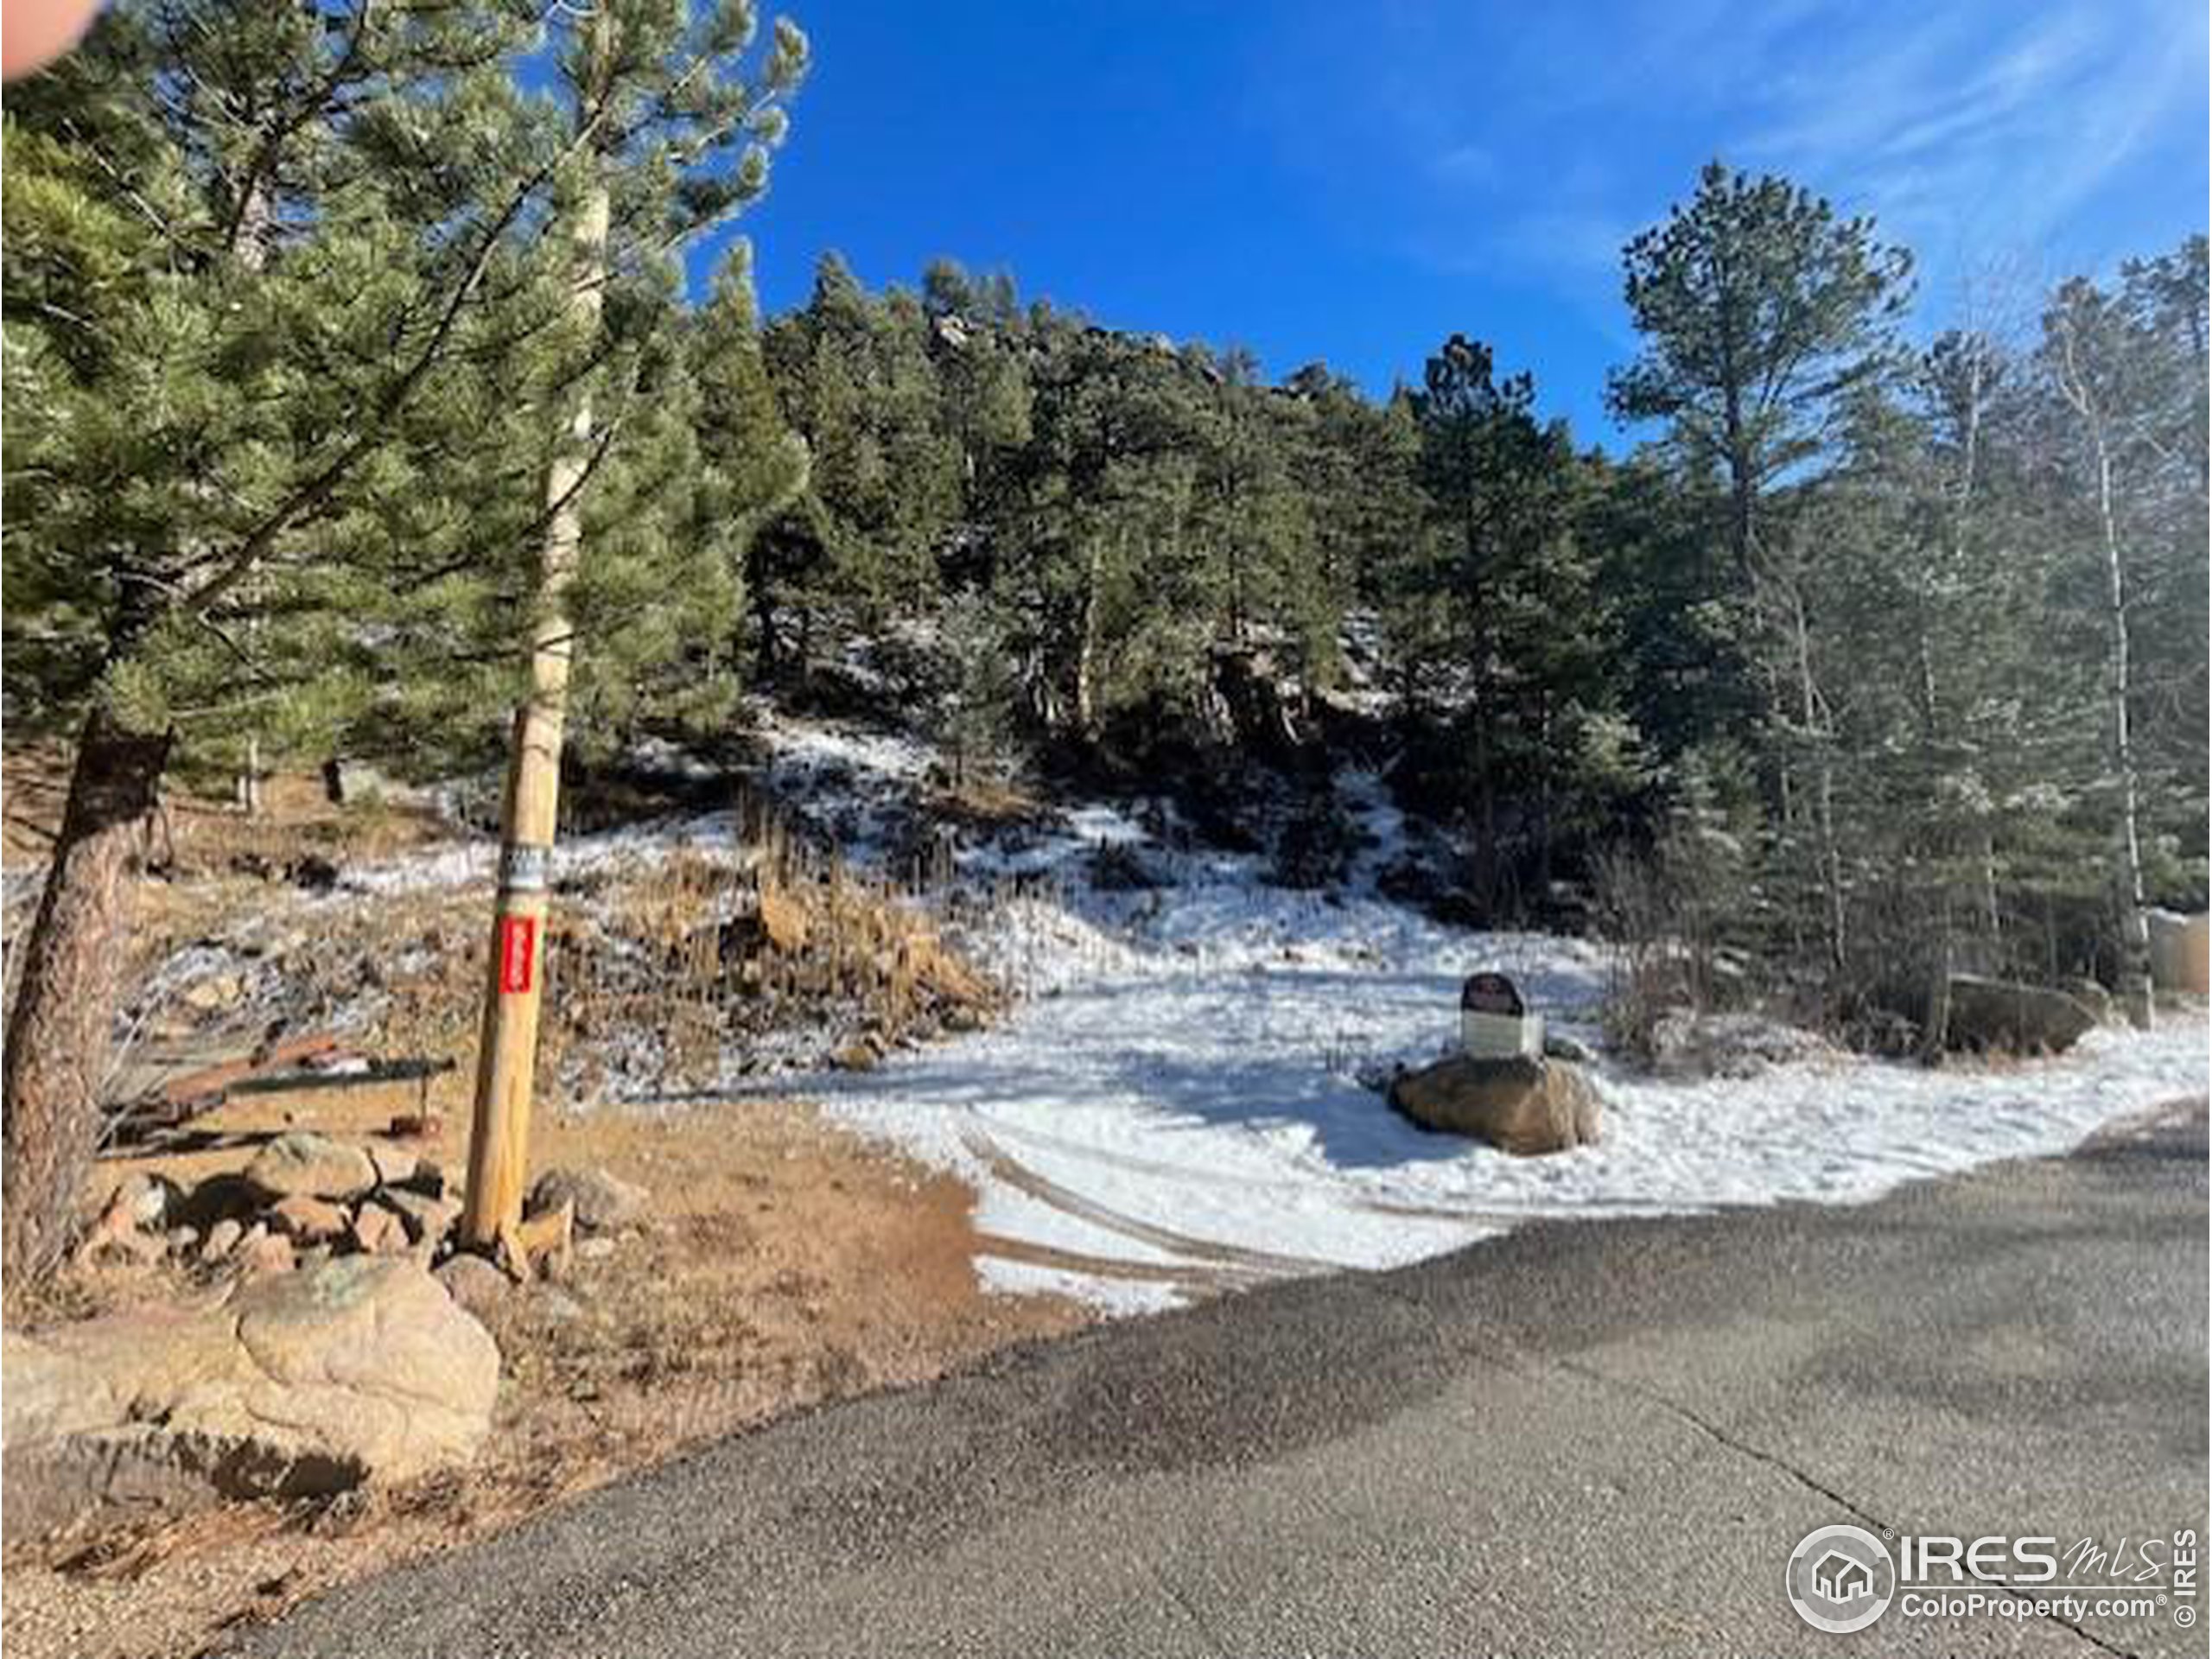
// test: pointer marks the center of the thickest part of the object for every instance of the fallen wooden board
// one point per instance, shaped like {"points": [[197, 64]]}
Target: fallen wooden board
{"points": [[415, 1069], [214, 1080], [169, 1105], [276, 1068]]}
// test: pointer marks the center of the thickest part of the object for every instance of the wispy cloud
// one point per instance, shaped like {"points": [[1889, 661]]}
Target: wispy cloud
{"points": [[1534, 140], [1993, 124]]}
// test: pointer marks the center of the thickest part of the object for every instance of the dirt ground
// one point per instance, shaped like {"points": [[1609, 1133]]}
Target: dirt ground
{"points": [[198, 834], [785, 1263]]}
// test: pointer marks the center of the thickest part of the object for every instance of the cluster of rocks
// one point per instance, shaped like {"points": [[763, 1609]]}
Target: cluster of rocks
{"points": [[867, 1048], [338, 1342], [305, 1198]]}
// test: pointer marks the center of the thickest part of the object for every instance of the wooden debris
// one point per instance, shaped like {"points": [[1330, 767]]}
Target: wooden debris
{"points": [[541, 1245], [359, 1074], [152, 1118]]}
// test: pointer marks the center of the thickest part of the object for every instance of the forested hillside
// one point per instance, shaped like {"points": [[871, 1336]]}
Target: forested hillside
{"points": [[1875, 646], [1848, 622]]}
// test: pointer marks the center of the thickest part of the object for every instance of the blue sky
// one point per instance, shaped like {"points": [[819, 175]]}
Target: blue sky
{"points": [[1354, 182]]}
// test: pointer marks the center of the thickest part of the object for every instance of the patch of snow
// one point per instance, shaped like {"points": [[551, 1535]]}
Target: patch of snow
{"points": [[657, 754], [1183, 1082], [852, 785], [1221, 1103], [711, 836], [1119, 1297], [1180, 1085]]}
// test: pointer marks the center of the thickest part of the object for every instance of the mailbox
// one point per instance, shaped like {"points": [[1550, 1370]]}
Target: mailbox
{"points": [[1495, 1024]]}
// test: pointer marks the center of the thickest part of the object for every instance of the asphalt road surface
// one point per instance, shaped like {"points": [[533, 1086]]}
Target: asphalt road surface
{"points": [[1599, 1439]]}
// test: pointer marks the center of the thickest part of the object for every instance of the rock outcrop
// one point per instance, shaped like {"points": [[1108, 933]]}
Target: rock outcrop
{"points": [[1519, 1105], [361, 1368], [2022, 1019]]}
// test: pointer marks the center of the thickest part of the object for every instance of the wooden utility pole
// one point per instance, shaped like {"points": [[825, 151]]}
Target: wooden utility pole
{"points": [[499, 1147]]}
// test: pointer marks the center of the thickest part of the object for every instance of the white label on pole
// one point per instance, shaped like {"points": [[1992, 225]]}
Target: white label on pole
{"points": [[524, 868]]}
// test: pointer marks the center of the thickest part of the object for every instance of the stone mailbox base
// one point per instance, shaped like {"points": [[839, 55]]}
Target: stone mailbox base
{"points": [[1519, 1105]]}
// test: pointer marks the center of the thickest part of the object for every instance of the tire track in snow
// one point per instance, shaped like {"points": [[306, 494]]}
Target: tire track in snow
{"points": [[1352, 1197], [1193, 1281], [1248, 1264]]}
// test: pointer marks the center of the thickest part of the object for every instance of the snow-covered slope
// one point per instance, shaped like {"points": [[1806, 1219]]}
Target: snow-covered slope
{"points": [[1183, 1099], [1179, 1105]]}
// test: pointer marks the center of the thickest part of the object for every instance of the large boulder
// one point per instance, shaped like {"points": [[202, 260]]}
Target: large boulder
{"points": [[302, 1164], [1519, 1105], [360, 1369], [2180, 949], [2022, 1019]]}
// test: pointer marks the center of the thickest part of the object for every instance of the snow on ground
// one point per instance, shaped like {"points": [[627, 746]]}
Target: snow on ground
{"points": [[1182, 1103], [1220, 1102], [1183, 1087], [847, 783], [708, 835]]}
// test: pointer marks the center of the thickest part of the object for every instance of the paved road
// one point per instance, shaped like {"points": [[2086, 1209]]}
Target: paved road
{"points": [[1578, 1439]]}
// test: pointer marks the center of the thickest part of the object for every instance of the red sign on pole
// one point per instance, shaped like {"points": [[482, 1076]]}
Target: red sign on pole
{"points": [[518, 951]]}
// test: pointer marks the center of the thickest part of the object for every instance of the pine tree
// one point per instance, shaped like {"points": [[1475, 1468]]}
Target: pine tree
{"points": [[1355, 462], [858, 383], [224, 295], [752, 467], [1256, 524], [283, 463], [1498, 486], [982, 387], [1761, 310], [976, 708], [1106, 597]]}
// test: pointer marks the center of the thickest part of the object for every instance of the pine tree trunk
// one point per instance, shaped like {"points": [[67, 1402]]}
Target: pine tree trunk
{"points": [[1993, 911], [1742, 490], [250, 247], [1935, 1036], [249, 781], [764, 607], [1742, 534], [58, 1030], [2134, 925], [1546, 806], [1829, 855], [1087, 646], [1486, 807]]}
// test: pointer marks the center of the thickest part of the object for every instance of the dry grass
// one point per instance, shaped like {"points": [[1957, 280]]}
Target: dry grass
{"points": [[694, 956], [199, 835]]}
